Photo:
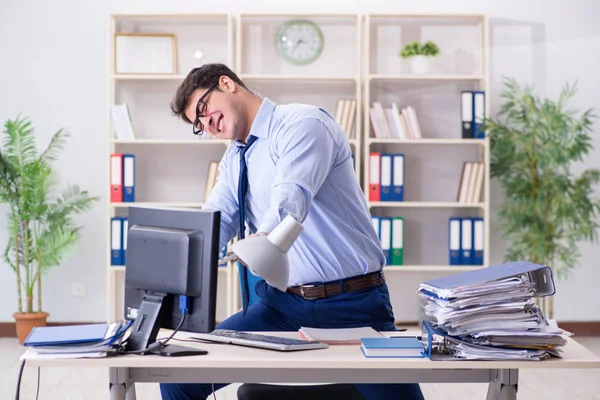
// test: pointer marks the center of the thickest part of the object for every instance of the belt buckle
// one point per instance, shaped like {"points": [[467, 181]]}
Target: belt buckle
{"points": [[304, 295]]}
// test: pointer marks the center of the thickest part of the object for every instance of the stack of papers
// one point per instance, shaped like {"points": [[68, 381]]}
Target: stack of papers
{"points": [[339, 336], [485, 315]]}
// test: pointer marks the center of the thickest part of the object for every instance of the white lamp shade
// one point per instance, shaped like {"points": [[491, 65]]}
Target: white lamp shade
{"points": [[266, 256]]}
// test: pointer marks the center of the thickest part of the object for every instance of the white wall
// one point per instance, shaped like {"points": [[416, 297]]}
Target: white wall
{"points": [[54, 68]]}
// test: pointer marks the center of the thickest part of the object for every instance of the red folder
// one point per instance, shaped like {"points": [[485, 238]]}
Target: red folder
{"points": [[374, 176], [116, 178]]}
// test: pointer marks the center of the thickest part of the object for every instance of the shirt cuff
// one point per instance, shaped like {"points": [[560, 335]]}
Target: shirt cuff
{"points": [[267, 225]]}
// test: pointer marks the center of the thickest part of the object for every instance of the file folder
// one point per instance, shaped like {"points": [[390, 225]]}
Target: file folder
{"points": [[466, 106], [128, 178], [454, 241], [478, 114], [65, 335], [398, 177], [116, 247], [540, 275], [466, 241], [386, 238], [397, 241], [374, 176], [478, 237], [386, 177], [124, 231], [116, 178]]}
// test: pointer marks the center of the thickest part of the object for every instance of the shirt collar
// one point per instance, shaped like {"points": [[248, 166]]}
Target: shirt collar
{"points": [[260, 126]]}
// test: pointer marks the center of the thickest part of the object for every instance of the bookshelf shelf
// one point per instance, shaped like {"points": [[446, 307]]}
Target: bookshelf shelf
{"points": [[307, 78], [121, 268], [429, 268], [415, 77], [147, 77], [432, 141], [200, 142], [424, 204], [156, 204]]}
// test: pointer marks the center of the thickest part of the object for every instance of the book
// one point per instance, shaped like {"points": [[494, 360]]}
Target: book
{"points": [[408, 346], [339, 335]]}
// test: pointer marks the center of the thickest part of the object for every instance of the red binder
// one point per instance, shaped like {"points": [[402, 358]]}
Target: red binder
{"points": [[116, 178], [374, 176]]}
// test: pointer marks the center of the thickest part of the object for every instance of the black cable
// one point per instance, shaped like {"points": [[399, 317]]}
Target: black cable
{"points": [[37, 390], [18, 391], [155, 344]]}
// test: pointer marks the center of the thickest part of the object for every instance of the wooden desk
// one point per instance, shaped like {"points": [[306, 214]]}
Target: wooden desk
{"points": [[339, 364]]}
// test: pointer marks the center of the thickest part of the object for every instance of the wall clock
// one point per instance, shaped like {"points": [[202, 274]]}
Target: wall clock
{"points": [[300, 41]]}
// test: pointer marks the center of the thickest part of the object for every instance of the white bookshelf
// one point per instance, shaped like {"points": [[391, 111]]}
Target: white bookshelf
{"points": [[171, 164], [433, 163]]}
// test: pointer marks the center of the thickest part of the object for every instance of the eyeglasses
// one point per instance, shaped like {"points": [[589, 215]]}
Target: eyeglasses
{"points": [[201, 109]]}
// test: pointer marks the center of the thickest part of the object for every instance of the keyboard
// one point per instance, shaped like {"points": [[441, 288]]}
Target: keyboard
{"points": [[258, 340]]}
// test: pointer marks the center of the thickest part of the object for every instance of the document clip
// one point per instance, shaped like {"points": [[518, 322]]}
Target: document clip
{"points": [[435, 343]]}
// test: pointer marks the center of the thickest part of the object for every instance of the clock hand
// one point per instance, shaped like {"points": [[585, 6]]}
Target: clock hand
{"points": [[296, 46]]}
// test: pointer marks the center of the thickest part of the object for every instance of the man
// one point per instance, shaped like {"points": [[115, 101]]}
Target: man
{"points": [[297, 161]]}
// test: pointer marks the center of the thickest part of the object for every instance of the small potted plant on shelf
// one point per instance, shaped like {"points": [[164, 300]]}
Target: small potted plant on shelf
{"points": [[549, 209], [420, 55], [41, 230]]}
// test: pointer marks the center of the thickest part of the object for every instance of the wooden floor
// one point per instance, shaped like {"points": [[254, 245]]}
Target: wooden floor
{"points": [[91, 384]]}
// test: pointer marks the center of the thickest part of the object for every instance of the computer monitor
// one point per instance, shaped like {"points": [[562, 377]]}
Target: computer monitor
{"points": [[171, 252]]}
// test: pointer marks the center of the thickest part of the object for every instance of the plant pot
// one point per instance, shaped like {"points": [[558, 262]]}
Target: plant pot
{"points": [[419, 64], [25, 322]]}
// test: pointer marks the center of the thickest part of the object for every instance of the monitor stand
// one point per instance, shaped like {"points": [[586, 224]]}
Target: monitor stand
{"points": [[142, 339]]}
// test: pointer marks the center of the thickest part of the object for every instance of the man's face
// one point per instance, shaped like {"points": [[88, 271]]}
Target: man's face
{"points": [[220, 111]]}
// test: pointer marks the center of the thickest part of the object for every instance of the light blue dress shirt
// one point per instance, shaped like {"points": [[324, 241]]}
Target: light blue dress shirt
{"points": [[301, 164]]}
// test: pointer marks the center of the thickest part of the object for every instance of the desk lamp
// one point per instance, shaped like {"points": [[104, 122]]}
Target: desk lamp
{"points": [[266, 256]]}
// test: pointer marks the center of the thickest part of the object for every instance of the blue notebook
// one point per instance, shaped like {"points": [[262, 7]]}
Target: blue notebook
{"points": [[66, 335], [398, 347]]}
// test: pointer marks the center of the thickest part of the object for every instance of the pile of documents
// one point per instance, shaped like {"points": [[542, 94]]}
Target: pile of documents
{"points": [[491, 313]]}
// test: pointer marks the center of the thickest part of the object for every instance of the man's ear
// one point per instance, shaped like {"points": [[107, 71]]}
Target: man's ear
{"points": [[226, 84]]}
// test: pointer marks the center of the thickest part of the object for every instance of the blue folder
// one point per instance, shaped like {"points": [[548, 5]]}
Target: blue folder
{"points": [[66, 335], [541, 275]]}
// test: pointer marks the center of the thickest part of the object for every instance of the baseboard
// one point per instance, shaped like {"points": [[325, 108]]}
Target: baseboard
{"points": [[583, 328]]}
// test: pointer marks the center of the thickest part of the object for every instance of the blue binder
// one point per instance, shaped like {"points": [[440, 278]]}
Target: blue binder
{"points": [[65, 335], [540, 275], [454, 239], [128, 178], [116, 239], [466, 241], [397, 177], [386, 177], [124, 231], [478, 239], [478, 114]]}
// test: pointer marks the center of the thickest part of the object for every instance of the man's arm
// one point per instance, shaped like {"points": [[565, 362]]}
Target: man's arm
{"points": [[222, 199], [306, 155]]}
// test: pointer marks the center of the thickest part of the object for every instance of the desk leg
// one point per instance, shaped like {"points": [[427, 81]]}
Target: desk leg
{"points": [[505, 385], [119, 383]]}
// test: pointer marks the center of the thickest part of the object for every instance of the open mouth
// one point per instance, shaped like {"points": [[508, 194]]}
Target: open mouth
{"points": [[220, 124]]}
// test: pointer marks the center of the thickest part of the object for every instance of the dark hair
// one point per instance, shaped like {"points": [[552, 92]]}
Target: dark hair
{"points": [[202, 77]]}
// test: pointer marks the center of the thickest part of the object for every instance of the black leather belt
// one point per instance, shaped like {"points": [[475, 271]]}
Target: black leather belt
{"points": [[320, 291]]}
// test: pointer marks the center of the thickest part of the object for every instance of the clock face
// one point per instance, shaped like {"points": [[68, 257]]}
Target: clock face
{"points": [[300, 41]]}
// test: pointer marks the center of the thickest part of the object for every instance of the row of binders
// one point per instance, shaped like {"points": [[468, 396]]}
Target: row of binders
{"points": [[466, 240], [490, 314], [345, 115], [122, 178], [472, 107], [386, 176], [393, 122], [390, 231]]}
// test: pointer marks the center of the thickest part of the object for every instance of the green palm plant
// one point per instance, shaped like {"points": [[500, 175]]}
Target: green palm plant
{"points": [[548, 209], [42, 231]]}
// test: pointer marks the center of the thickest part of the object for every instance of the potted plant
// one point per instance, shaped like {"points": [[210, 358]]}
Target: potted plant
{"points": [[419, 55], [549, 209], [41, 227]]}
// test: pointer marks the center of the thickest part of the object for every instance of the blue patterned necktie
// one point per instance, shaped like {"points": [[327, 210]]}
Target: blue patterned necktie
{"points": [[242, 190]]}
